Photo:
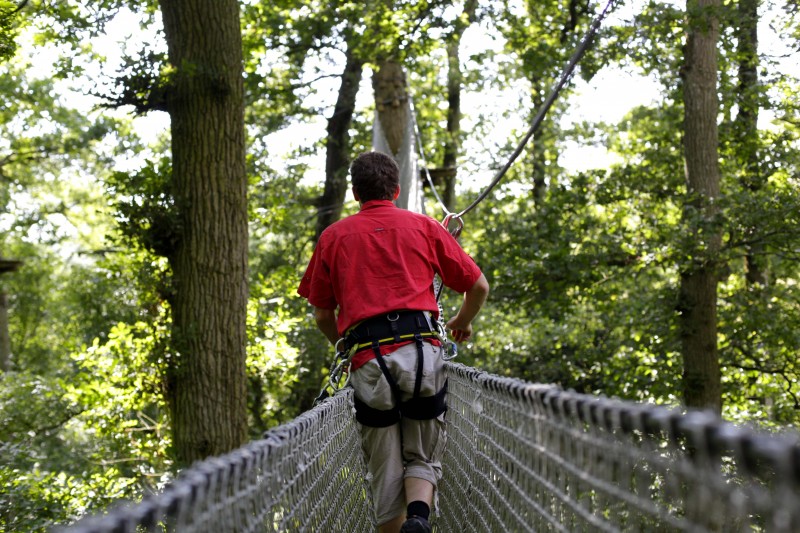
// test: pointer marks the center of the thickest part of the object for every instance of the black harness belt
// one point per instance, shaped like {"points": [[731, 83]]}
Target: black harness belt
{"points": [[394, 328]]}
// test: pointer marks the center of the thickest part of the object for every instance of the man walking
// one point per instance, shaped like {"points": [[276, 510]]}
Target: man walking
{"points": [[377, 268]]}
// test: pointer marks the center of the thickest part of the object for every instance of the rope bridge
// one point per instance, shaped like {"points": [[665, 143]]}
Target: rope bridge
{"points": [[520, 457]]}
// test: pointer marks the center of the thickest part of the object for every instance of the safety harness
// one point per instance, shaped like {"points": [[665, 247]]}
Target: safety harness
{"points": [[394, 328]]}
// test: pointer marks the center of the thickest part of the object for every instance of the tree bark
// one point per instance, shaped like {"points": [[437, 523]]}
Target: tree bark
{"points": [[698, 290], [5, 340], [538, 170], [746, 126], [206, 377], [391, 101], [393, 132], [337, 144], [452, 145]]}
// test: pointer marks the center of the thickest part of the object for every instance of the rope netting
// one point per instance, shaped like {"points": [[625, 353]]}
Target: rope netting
{"points": [[523, 457], [520, 457], [306, 475]]}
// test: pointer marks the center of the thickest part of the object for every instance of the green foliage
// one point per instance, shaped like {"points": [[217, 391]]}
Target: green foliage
{"points": [[272, 361], [76, 445], [44, 138], [567, 276], [81, 427], [145, 208], [78, 431], [32, 410], [288, 356], [58, 307], [760, 370], [584, 267], [120, 385], [72, 22], [8, 13], [651, 41], [53, 218], [572, 269], [143, 81]]}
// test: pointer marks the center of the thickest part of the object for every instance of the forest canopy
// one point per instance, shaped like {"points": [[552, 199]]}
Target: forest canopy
{"points": [[164, 173]]}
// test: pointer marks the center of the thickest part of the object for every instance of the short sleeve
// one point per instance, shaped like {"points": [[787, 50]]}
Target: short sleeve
{"points": [[456, 268], [316, 285]]}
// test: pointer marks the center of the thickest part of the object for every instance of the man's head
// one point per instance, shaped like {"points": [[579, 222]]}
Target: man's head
{"points": [[375, 176]]}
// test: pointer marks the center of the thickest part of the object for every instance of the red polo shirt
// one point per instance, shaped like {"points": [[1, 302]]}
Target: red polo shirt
{"points": [[383, 259]]}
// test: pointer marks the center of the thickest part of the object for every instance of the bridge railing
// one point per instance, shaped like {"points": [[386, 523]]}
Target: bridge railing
{"points": [[306, 475], [520, 457], [524, 457]]}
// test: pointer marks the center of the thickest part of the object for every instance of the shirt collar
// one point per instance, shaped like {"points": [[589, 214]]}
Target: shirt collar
{"points": [[372, 204]]}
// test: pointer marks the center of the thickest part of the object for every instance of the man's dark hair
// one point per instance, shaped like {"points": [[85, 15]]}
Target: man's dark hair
{"points": [[375, 176]]}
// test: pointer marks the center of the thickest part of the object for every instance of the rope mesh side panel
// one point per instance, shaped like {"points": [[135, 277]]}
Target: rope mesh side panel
{"points": [[520, 457], [306, 475], [524, 457]]}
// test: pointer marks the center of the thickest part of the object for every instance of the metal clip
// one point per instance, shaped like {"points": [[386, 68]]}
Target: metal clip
{"points": [[341, 363], [455, 232], [450, 351], [336, 375], [336, 346]]}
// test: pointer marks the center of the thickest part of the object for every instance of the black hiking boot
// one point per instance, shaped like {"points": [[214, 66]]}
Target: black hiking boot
{"points": [[416, 524]]}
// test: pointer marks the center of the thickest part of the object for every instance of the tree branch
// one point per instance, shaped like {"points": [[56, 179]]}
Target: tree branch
{"points": [[69, 415], [152, 98], [18, 8]]}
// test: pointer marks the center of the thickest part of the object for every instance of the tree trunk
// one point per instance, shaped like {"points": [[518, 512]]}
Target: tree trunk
{"points": [[746, 127], [391, 101], [394, 133], [206, 381], [5, 340], [256, 385], [337, 146], [452, 145], [538, 169], [698, 290]]}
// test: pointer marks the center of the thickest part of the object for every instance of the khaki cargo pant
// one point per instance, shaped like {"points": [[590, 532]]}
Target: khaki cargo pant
{"points": [[412, 448]]}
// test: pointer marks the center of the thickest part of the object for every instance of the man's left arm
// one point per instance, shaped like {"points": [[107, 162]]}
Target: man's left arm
{"points": [[326, 322]]}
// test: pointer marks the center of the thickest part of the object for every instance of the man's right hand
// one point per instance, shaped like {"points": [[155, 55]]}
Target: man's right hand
{"points": [[461, 324], [459, 332]]}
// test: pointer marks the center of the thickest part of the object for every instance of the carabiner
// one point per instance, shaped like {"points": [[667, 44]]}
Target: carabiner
{"points": [[460, 224], [336, 346], [450, 351]]}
